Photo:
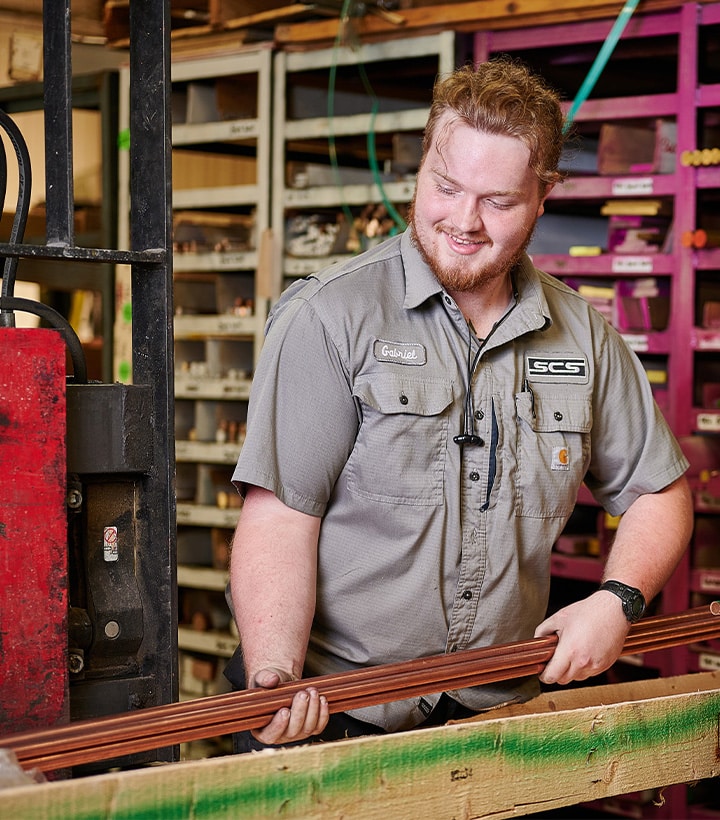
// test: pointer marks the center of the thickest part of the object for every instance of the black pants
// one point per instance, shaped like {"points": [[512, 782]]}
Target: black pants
{"points": [[342, 725]]}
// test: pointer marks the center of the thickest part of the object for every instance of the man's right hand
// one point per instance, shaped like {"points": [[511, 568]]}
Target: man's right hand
{"points": [[308, 714]]}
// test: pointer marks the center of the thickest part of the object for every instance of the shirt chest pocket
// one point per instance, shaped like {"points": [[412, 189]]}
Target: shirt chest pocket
{"points": [[399, 453], [553, 452]]}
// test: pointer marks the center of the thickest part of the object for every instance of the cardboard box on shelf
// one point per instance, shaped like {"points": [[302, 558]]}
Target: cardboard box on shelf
{"points": [[629, 149], [221, 10], [642, 304]]}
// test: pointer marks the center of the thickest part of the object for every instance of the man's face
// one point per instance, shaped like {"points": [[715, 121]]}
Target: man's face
{"points": [[475, 205]]}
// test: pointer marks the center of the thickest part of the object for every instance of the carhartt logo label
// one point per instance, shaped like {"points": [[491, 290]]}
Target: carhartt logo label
{"points": [[560, 458], [399, 352], [557, 368]]}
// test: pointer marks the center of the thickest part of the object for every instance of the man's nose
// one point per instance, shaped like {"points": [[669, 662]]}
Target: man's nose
{"points": [[467, 215]]}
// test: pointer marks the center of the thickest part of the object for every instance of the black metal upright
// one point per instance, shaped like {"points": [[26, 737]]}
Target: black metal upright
{"points": [[152, 297], [57, 81], [122, 621]]}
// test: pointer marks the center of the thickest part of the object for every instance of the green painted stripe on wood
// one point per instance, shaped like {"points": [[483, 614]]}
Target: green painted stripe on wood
{"points": [[296, 782]]}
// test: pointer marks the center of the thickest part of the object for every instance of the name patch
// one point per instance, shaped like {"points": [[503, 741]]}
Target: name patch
{"points": [[557, 368], [399, 352]]}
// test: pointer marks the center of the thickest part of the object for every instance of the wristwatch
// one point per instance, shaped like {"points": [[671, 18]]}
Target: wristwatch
{"points": [[633, 603]]}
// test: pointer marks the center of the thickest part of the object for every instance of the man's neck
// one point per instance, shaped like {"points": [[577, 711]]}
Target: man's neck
{"points": [[483, 309]]}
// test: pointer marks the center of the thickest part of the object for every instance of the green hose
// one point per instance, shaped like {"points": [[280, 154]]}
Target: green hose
{"points": [[601, 60]]}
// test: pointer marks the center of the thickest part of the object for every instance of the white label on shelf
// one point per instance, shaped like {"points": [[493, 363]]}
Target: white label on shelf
{"points": [[632, 264], [708, 662], [709, 422], [632, 187], [183, 515], [233, 260], [709, 342], [709, 581], [299, 195], [637, 342], [243, 128]]}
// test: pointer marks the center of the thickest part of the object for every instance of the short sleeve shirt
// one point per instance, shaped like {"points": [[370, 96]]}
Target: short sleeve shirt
{"points": [[427, 546]]}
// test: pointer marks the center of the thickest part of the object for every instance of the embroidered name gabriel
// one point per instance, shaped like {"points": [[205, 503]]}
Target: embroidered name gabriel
{"points": [[388, 352], [399, 352]]}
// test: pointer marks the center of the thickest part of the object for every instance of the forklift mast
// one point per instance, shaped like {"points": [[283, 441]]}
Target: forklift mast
{"points": [[88, 619]]}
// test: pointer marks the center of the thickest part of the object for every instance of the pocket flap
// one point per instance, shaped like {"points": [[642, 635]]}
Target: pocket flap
{"points": [[551, 414], [420, 397]]}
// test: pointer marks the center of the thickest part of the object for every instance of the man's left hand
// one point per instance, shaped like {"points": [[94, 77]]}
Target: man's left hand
{"points": [[591, 634]]}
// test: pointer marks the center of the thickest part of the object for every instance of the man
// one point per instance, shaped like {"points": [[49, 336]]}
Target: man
{"points": [[420, 422]]}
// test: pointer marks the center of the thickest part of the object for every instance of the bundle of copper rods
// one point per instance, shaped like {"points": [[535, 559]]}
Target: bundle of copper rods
{"points": [[129, 733]]}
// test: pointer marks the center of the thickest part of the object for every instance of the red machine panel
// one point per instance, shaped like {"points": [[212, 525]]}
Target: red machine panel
{"points": [[33, 530]]}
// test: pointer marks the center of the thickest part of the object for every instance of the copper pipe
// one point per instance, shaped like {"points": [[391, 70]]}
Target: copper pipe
{"points": [[258, 705], [129, 733], [369, 679]]}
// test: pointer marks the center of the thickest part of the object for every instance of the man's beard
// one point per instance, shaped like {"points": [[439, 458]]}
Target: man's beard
{"points": [[464, 277]]}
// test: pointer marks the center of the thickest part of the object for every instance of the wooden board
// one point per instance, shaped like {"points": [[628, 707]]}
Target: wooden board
{"points": [[507, 764], [466, 16]]}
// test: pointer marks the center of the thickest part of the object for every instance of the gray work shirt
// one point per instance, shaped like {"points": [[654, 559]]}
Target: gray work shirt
{"points": [[426, 546]]}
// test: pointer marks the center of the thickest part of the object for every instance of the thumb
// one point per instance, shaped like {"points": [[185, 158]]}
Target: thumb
{"points": [[547, 627], [270, 677]]}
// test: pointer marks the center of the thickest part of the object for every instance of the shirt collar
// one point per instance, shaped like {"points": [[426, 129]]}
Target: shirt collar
{"points": [[532, 309], [420, 281]]}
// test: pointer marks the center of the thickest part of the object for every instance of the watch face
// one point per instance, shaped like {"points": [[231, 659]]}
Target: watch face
{"points": [[636, 606], [633, 603]]}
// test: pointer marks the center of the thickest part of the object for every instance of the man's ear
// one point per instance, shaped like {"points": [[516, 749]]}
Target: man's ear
{"points": [[541, 206]]}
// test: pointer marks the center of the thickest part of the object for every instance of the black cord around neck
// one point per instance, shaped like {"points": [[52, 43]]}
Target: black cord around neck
{"points": [[468, 436]]}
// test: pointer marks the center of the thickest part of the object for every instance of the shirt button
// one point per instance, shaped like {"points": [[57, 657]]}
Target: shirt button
{"points": [[558, 415], [474, 476], [404, 399], [467, 595], [479, 415]]}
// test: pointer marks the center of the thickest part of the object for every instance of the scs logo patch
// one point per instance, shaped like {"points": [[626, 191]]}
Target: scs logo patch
{"points": [[560, 368]]}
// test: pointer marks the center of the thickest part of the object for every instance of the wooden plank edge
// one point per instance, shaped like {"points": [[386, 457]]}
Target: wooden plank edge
{"points": [[497, 768], [477, 16]]}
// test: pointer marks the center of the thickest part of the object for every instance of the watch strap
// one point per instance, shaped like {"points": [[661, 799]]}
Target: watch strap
{"points": [[633, 601]]}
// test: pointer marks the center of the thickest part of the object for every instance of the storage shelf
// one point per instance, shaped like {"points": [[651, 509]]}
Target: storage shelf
{"points": [[212, 388], [706, 421], [611, 265], [619, 108], [705, 339], [320, 127], [206, 452], [215, 352], [203, 515], [222, 644], [217, 132], [707, 662], [202, 577], [677, 47], [306, 266], [223, 325], [576, 567], [222, 196], [242, 61], [302, 125], [656, 342], [214, 261], [333, 196], [371, 52], [706, 581], [630, 186], [708, 259]]}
